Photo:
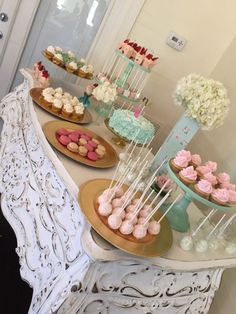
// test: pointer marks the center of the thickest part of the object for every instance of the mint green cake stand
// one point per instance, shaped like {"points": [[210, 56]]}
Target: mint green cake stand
{"points": [[178, 216]]}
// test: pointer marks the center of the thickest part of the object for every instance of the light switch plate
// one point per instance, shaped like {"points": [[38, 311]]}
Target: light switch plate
{"points": [[176, 41]]}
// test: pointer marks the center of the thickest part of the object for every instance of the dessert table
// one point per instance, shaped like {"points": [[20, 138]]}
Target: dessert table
{"points": [[70, 268]]}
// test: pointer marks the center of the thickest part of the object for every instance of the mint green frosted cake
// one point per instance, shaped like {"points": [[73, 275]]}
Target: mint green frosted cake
{"points": [[126, 125]]}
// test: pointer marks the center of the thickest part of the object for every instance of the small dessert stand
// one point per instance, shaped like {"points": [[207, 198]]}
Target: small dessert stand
{"points": [[178, 216], [117, 139]]}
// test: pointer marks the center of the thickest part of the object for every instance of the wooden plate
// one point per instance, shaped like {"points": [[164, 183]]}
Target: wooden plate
{"points": [[109, 160], [149, 246], [35, 93], [64, 68]]}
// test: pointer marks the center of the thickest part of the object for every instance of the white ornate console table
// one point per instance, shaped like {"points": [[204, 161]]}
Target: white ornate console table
{"points": [[70, 268]]}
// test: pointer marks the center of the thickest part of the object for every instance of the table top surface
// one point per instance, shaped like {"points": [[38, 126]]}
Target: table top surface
{"points": [[95, 246]]}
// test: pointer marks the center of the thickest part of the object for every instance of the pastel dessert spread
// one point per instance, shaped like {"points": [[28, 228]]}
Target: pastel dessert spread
{"points": [[62, 102], [81, 143], [188, 175], [124, 123]]}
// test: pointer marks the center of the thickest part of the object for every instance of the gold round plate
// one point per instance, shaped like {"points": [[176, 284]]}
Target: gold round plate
{"points": [[109, 160], [36, 92], [64, 68], [150, 246]]}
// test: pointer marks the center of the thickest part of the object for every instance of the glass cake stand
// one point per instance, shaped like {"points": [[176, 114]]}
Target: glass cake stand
{"points": [[178, 216], [117, 138]]}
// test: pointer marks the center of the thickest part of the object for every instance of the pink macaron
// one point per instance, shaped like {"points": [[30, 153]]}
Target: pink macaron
{"points": [[74, 137], [85, 137], [89, 147], [88, 135], [64, 140], [62, 132], [79, 132], [93, 144], [92, 156]]}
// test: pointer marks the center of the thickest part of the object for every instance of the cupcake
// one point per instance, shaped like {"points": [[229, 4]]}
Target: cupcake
{"points": [[71, 67], [178, 163], [228, 186], [82, 151], [203, 170], [89, 71], [184, 153], [78, 111], [58, 59], [49, 52], [203, 188], [47, 100], [212, 165], [188, 175], [232, 197], [67, 110], [56, 105], [220, 196], [82, 72], [210, 178], [195, 160], [223, 177]]}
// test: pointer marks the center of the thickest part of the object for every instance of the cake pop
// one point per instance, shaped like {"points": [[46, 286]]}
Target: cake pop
{"points": [[186, 243], [141, 220], [140, 231], [230, 248], [154, 227], [119, 211], [201, 246], [117, 202], [130, 208], [114, 221], [126, 227], [105, 209], [129, 216]]}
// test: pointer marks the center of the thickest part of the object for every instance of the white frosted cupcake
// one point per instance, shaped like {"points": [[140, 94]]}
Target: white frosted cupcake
{"points": [[56, 105], [67, 110], [71, 67]]}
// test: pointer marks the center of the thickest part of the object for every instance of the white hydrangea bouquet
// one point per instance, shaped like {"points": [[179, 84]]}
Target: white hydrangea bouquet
{"points": [[105, 92], [204, 99]]}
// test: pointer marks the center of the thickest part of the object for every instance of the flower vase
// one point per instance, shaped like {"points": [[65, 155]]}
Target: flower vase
{"points": [[179, 137], [103, 111]]}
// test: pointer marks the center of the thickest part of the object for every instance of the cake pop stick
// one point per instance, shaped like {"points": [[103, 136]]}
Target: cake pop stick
{"points": [[110, 64], [212, 212], [157, 207], [169, 208], [131, 143], [114, 69], [140, 78], [122, 68], [133, 79], [143, 82], [114, 175], [216, 226], [225, 226]]}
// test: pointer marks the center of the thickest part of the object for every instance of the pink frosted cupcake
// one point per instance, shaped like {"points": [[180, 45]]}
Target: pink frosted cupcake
{"points": [[203, 188], [210, 178], [232, 197], [188, 175], [223, 177], [184, 153], [212, 165], [228, 186], [178, 163], [203, 170], [196, 160], [220, 196]]}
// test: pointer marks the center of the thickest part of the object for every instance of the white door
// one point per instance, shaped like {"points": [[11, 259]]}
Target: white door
{"points": [[16, 17]]}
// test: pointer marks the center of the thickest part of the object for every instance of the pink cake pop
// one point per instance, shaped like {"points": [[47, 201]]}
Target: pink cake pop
{"points": [[114, 221], [130, 208], [119, 192], [144, 213], [105, 209], [135, 201], [147, 208], [129, 216], [117, 202], [154, 227], [139, 231], [126, 227], [102, 199], [141, 220], [119, 211]]}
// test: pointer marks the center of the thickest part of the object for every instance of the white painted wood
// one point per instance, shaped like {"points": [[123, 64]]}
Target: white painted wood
{"points": [[21, 14]]}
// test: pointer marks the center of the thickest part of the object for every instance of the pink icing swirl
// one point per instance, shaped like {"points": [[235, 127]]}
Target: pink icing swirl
{"points": [[184, 153], [196, 159], [205, 186], [212, 165], [232, 196], [203, 170], [181, 161], [189, 173], [210, 178], [221, 194], [223, 177], [228, 186]]}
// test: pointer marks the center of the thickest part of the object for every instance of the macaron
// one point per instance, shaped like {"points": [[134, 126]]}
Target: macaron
{"points": [[92, 156], [101, 147], [100, 153], [89, 147], [93, 144], [79, 132], [82, 151], [73, 147], [95, 141], [64, 140], [74, 137], [82, 141], [62, 131], [85, 137], [88, 135]]}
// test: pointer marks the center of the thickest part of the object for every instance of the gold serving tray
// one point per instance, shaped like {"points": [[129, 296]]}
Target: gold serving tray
{"points": [[109, 160], [36, 92], [150, 246], [64, 68]]}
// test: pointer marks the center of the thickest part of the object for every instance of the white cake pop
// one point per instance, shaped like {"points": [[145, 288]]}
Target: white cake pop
{"points": [[201, 246], [108, 192], [114, 221], [105, 209], [186, 243], [131, 177], [230, 248], [130, 208], [143, 213], [102, 199], [214, 244], [139, 231], [117, 202], [141, 186], [130, 216], [119, 211], [123, 156], [154, 227], [126, 227]]}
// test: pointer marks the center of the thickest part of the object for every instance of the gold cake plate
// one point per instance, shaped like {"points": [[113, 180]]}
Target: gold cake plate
{"points": [[149, 246]]}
